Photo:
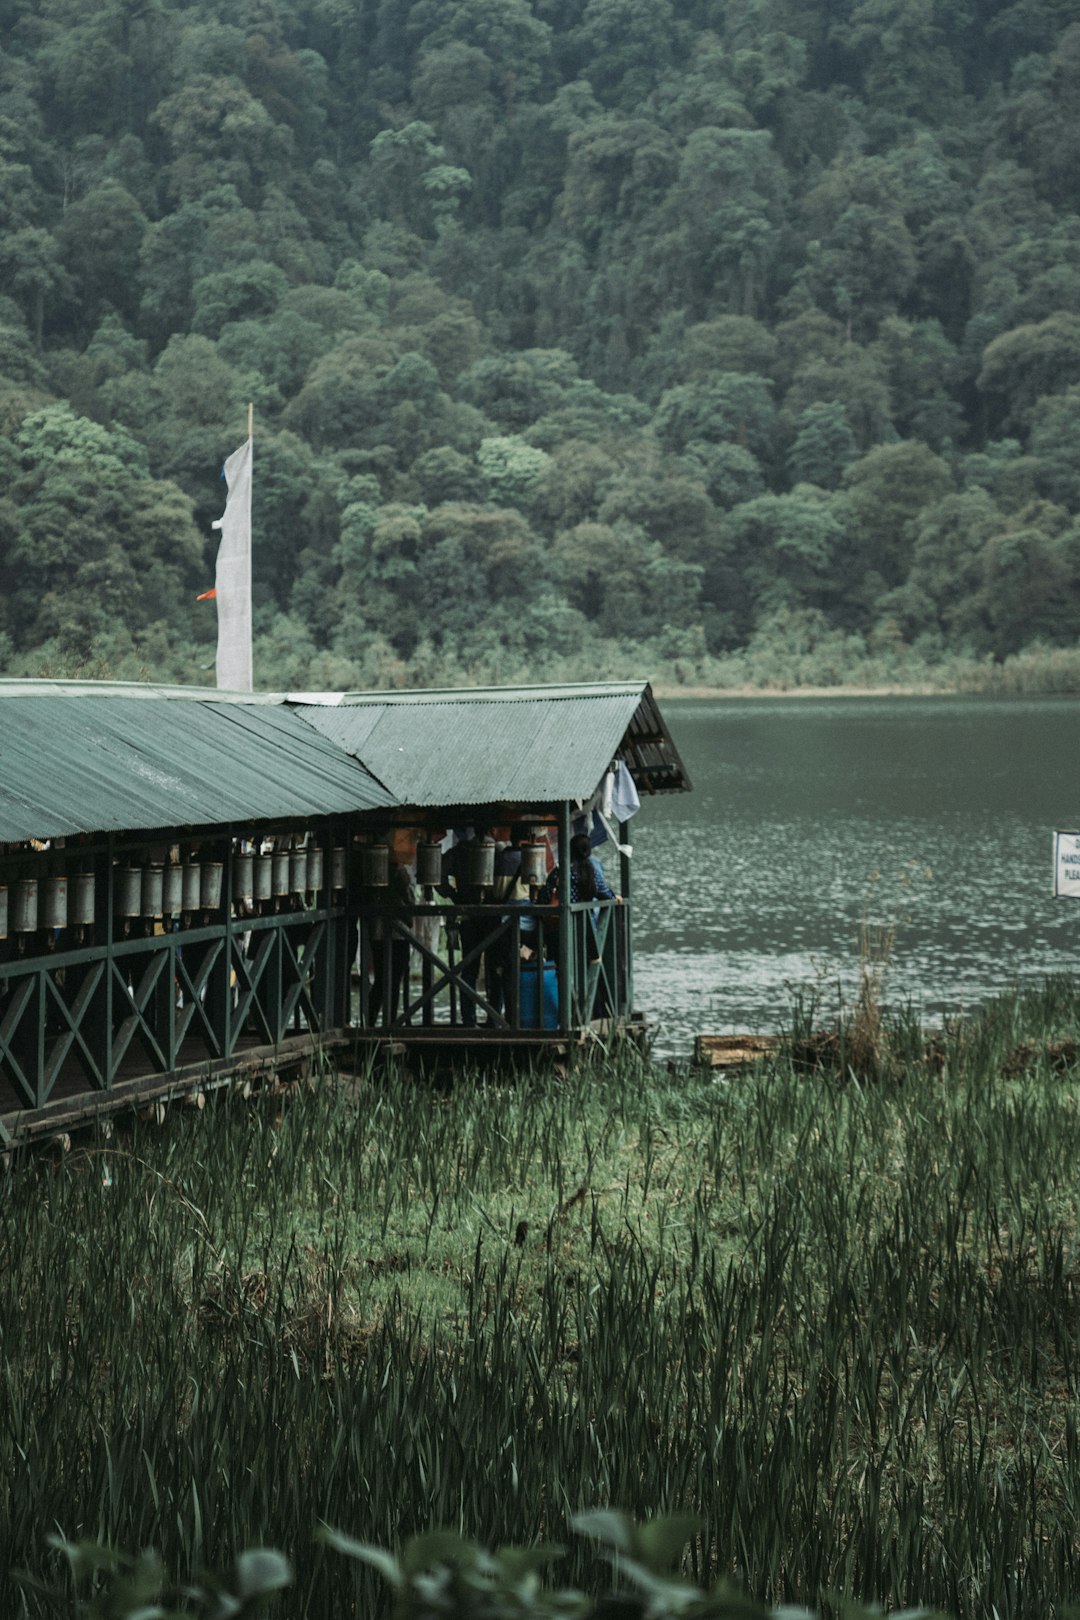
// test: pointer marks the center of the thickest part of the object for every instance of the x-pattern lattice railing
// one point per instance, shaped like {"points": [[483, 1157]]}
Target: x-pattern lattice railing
{"points": [[156, 995], [485, 935]]}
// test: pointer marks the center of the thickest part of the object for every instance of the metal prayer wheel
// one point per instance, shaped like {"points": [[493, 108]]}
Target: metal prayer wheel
{"points": [[3, 910], [54, 910], [243, 878], [81, 899], [127, 891], [191, 886], [533, 863], [280, 879], [172, 890], [25, 907], [152, 891], [315, 869], [297, 871], [375, 865], [339, 866], [210, 886], [264, 877], [481, 862], [428, 863]]}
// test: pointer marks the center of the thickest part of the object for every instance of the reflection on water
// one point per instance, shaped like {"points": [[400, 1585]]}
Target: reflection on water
{"points": [[931, 814]]}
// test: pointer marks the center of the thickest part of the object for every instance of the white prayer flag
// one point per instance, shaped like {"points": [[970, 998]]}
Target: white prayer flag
{"points": [[232, 582]]}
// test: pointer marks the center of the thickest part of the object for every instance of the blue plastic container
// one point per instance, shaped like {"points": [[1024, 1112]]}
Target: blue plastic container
{"points": [[529, 1011]]}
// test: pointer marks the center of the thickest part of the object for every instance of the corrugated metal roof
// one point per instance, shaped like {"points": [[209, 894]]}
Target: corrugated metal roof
{"points": [[106, 763], [14, 686], [535, 745]]}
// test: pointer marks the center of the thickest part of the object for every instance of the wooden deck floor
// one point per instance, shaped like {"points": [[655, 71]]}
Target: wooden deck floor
{"points": [[72, 1105]]}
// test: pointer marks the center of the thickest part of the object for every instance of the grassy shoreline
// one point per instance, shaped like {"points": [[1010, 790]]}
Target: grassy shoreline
{"points": [[833, 1316]]}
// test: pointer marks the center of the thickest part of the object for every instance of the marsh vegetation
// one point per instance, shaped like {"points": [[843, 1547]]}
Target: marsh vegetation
{"points": [[835, 1320]]}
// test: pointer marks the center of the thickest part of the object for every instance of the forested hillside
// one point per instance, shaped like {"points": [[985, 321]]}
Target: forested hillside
{"points": [[584, 336]]}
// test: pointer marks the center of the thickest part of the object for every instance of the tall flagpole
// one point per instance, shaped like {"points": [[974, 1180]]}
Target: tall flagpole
{"points": [[232, 585]]}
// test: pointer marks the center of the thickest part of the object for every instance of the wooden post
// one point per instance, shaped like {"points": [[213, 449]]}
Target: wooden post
{"points": [[626, 1010], [566, 939]]}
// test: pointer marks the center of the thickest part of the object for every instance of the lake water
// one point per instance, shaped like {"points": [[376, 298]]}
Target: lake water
{"points": [[932, 814]]}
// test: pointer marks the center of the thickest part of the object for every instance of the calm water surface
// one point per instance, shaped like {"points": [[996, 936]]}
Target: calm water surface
{"points": [[933, 814]]}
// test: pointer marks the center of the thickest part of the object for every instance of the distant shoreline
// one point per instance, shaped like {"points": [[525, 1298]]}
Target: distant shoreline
{"points": [[667, 691]]}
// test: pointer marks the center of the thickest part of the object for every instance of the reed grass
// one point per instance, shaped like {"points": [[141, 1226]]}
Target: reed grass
{"points": [[835, 1320]]}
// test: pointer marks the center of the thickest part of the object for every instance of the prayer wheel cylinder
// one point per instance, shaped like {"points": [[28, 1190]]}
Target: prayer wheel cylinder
{"points": [[54, 911], [25, 909], [192, 885], [297, 870], [127, 891], [3, 910], [428, 863], [375, 865], [264, 877], [152, 891], [281, 873], [172, 890], [533, 863], [315, 869], [210, 886], [339, 865], [243, 878], [81, 899], [481, 862]]}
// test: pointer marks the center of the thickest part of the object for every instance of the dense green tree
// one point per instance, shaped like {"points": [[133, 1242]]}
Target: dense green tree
{"points": [[622, 581], [786, 546], [725, 209], [823, 445], [1055, 436], [99, 238], [951, 537], [733, 407], [921, 368], [99, 543], [1044, 115], [220, 135], [517, 42], [860, 258], [1030, 589], [623, 46], [1023, 365], [884, 493]]}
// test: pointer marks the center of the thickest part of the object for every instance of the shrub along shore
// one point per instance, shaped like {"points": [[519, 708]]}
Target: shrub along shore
{"points": [[832, 1317]]}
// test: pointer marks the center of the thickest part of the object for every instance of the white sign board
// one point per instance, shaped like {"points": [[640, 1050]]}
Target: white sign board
{"points": [[1067, 865]]}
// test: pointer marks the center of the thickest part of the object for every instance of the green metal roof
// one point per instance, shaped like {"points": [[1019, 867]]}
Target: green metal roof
{"points": [[491, 745], [94, 761]]}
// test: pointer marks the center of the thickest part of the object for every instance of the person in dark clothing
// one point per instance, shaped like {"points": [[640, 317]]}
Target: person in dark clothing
{"points": [[390, 951], [508, 891], [587, 880], [472, 931]]}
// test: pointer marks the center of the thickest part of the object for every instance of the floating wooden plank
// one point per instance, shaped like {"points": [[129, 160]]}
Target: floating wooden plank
{"points": [[733, 1051]]}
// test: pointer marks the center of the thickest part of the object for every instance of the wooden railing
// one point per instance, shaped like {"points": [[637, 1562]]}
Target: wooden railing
{"points": [[151, 1003], [492, 967]]}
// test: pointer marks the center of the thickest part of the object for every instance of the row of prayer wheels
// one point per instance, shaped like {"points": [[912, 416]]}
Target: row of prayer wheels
{"points": [[156, 891], [193, 886], [480, 863], [50, 902]]}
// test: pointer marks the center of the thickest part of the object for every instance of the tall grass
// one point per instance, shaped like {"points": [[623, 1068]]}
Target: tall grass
{"points": [[835, 1320]]}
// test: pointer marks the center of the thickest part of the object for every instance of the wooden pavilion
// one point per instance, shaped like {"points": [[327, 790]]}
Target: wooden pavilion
{"points": [[190, 882]]}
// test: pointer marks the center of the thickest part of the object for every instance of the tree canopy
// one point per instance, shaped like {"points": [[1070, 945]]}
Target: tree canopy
{"points": [[584, 336]]}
